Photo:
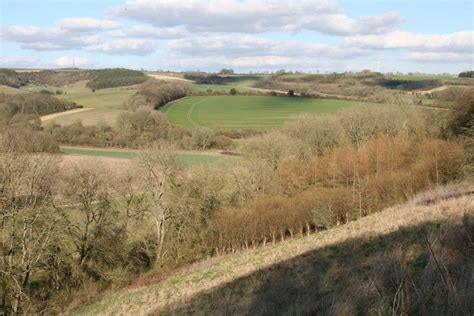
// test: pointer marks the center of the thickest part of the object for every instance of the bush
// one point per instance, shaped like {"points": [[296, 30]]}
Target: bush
{"points": [[233, 91]]}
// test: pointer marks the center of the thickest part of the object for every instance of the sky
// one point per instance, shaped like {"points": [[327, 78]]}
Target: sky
{"points": [[321, 36]]}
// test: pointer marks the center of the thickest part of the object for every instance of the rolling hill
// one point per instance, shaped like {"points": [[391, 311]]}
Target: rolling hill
{"points": [[234, 112]]}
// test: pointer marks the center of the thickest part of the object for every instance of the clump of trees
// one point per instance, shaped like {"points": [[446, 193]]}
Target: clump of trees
{"points": [[116, 77], [15, 79], [467, 74], [226, 71], [156, 93], [32, 103], [136, 129], [204, 78], [408, 84]]}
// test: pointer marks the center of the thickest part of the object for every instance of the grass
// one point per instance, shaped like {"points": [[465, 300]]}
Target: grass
{"points": [[107, 103], [361, 258], [236, 112], [221, 87], [8, 90], [188, 159], [90, 118]]}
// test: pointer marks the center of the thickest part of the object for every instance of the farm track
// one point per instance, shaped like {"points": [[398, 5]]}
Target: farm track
{"points": [[190, 112], [435, 90], [55, 115], [168, 78]]}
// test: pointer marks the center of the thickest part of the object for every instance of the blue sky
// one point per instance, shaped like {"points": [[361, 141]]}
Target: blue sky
{"points": [[309, 35]]}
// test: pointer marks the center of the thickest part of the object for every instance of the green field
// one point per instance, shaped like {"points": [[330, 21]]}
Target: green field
{"points": [[237, 112], [221, 87], [107, 104], [188, 159]]}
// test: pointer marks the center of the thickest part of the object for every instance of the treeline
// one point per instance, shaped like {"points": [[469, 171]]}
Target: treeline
{"points": [[46, 77], [135, 129], [337, 187], [116, 77], [203, 78], [156, 93], [32, 103], [467, 74], [10, 78], [408, 84]]}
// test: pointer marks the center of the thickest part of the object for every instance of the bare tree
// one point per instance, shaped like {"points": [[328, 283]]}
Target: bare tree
{"points": [[27, 221], [160, 168]]}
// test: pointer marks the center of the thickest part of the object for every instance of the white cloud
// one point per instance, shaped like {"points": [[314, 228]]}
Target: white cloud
{"points": [[449, 42], [50, 39], [252, 46], [86, 24], [124, 46], [441, 57], [250, 16], [147, 31], [19, 61], [37, 38], [68, 61]]}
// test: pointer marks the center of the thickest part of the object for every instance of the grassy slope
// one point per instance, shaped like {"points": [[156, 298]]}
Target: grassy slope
{"points": [[9, 90], [235, 112], [188, 159], [310, 273], [107, 103]]}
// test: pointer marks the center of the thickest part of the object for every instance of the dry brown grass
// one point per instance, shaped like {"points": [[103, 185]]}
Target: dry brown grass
{"points": [[445, 203]]}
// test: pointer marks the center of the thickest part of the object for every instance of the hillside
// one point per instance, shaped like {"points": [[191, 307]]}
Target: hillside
{"points": [[412, 258]]}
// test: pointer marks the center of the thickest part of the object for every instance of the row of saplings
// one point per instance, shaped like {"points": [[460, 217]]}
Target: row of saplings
{"points": [[342, 185]]}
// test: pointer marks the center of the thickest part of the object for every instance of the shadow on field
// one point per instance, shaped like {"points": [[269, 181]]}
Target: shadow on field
{"points": [[427, 269]]}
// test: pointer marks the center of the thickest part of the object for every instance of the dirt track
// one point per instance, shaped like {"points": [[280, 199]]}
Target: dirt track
{"points": [[435, 89], [55, 115], [165, 77]]}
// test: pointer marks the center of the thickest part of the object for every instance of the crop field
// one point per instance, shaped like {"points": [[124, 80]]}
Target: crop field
{"points": [[236, 112], [188, 159]]}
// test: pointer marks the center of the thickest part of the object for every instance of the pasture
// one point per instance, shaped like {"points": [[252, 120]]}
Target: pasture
{"points": [[186, 158], [240, 112], [221, 87], [107, 104]]}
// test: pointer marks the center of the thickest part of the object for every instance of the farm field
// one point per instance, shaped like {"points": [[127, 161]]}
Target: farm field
{"points": [[89, 118], [234, 112], [188, 159], [222, 87], [107, 104]]}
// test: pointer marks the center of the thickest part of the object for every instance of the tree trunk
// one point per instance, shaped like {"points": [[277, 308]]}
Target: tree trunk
{"points": [[160, 235]]}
